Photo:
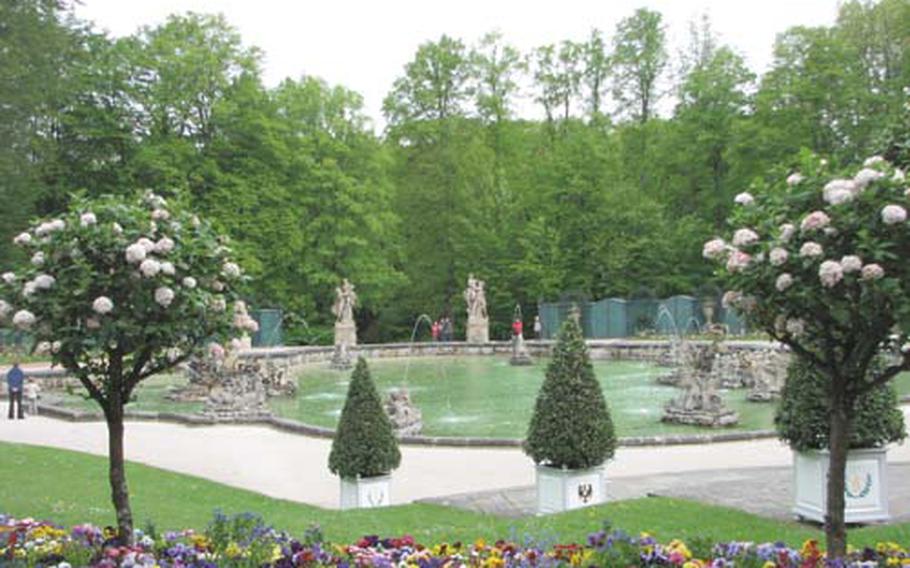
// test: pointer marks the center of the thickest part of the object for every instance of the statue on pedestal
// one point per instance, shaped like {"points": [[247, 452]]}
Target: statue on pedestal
{"points": [[343, 309], [478, 328]]}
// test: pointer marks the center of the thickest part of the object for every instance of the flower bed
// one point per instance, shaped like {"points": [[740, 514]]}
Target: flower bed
{"points": [[244, 540]]}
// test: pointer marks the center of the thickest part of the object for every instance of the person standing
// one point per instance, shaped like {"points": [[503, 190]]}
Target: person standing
{"points": [[434, 331], [538, 327], [517, 328], [15, 380], [446, 329]]}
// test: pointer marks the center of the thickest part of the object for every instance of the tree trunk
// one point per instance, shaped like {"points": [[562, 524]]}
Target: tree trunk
{"points": [[120, 495], [839, 441]]}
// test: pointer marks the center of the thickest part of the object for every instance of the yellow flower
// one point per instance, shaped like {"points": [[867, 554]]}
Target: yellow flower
{"points": [[276, 553], [693, 564], [493, 562], [893, 561], [199, 541], [233, 550], [768, 564], [480, 543]]}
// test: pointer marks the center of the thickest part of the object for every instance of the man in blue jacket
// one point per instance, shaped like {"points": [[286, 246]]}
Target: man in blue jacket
{"points": [[15, 380]]}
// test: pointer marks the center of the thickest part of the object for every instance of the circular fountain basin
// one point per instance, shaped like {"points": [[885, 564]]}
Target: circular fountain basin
{"points": [[486, 397]]}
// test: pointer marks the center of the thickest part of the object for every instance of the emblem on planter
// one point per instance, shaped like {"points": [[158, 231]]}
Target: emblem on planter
{"points": [[585, 492], [857, 487]]}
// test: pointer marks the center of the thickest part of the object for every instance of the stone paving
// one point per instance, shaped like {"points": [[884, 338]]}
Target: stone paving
{"points": [[764, 491]]}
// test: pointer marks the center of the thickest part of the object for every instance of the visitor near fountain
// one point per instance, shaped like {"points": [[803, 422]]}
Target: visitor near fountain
{"points": [[14, 381], [538, 328], [435, 329], [447, 329]]}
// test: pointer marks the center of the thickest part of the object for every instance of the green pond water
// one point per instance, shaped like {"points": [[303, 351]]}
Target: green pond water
{"points": [[488, 397]]}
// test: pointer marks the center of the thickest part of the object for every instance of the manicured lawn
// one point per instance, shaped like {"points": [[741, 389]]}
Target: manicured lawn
{"points": [[70, 487]]}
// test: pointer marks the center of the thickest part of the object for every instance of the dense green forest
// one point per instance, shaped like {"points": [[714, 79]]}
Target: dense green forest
{"points": [[633, 165]]}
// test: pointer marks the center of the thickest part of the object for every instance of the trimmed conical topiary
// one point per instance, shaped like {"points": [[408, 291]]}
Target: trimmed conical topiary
{"points": [[364, 444], [571, 426], [803, 417]]}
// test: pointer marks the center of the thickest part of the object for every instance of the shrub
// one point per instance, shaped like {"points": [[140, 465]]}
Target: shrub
{"points": [[571, 426], [802, 417], [364, 443]]}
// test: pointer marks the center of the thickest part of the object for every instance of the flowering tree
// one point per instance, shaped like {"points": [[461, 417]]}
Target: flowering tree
{"points": [[820, 264], [117, 290]]}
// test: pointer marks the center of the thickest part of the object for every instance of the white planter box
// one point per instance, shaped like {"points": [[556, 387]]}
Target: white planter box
{"points": [[866, 492], [365, 492], [566, 489]]}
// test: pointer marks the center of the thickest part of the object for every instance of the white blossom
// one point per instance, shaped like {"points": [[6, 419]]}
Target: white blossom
{"points": [[811, 249], [117, 229], [147, 244], [851, 263], [744, 237], [873, 272], [830, 272], [230, 270], [160, 215], [794, 178], [786, 232], [838, 196], [29, 288], [866, 176], [168, 268], [44, 281], [102, 305], [838, 191], [893, 214], [744, 198], [135, 253], [23, 319], [9, 277], [92, 323], [218, 304], [49, 227], [164, 296], [87, 219], [795, 327], [56, 346], [899, 175], [164, 245], [714, 249], [23, 239], [737, 260], [778, 256], [38, 258], [217, 286], [5, 309], [814, 221], [42, 347], [783, 282], [150, 267], [245, 323], [195, 221]]}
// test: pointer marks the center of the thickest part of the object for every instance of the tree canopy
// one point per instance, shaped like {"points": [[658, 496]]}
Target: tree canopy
{"points": [[632, 165]]}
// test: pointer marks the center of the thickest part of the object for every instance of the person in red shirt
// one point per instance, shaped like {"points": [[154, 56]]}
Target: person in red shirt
{"points": [[434, 330], [517, 327]]}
